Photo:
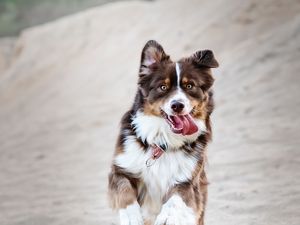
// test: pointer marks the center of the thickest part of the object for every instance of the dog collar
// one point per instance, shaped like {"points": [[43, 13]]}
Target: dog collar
{"points": [[156, 152]]}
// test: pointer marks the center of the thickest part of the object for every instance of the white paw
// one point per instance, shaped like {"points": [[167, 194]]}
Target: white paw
{"points": [[131, 215], [176, 212]]}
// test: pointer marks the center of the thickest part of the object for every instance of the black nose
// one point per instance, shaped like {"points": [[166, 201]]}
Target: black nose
{"points": [[177, 106]]}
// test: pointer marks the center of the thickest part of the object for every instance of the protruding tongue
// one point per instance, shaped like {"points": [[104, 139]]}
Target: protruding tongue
{"points": [[184, 124]]}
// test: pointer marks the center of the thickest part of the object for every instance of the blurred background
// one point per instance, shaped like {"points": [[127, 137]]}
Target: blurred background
{"points": [[68, 71], [15, 15]]}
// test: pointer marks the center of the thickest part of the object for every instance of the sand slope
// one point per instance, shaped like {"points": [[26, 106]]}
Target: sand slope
{"points": [[69, 82]]}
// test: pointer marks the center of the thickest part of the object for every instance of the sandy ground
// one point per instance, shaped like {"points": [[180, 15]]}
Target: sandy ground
{"points": [[68, 83]]}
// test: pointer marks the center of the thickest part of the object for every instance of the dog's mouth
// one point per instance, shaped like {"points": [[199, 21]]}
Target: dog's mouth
{"points": [[181, 124]]}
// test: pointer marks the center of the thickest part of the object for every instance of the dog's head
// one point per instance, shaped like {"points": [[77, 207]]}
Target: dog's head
{"points": [[177, 91]]}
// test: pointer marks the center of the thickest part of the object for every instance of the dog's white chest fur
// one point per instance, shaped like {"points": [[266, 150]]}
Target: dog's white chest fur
{"points": [[168, 170]]}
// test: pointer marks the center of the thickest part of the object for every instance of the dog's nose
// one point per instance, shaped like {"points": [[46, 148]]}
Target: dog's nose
{"points": [[177, 106]]}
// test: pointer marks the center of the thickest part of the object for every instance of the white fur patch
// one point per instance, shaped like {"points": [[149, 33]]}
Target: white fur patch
{"points": [[178, 73], [170, 168], [176, 212], [131, 215]]}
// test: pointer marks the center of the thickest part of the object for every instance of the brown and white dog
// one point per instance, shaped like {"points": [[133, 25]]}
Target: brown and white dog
{"points": [[157, 175]]}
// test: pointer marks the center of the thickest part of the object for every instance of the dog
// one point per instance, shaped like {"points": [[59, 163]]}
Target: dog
{"points": [[158, 170]]}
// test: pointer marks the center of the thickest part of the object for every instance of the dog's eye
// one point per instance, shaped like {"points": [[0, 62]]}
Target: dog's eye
{"points": [[163, 87], [189, 86]]}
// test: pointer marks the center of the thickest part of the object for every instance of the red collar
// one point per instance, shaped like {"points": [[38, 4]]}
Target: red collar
{"points": [[157, 151]]}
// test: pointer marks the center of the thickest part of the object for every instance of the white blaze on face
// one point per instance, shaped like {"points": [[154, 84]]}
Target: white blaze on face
{"points": [[178, 74], [179, 96]]}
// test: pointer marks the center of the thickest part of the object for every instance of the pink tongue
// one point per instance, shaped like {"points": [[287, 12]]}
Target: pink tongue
{"points": [[178, 123], [185, 124]]}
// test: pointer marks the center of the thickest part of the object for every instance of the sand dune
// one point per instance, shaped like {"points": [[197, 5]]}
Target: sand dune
{"points": [[69, 81]]}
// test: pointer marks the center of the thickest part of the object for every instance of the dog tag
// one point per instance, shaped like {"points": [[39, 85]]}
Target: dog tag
{"points": [[150, 161], [157, 151]]}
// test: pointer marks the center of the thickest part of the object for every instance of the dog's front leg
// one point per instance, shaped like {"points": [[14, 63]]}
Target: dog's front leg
{"points": [[178, 208], [123, 198]]}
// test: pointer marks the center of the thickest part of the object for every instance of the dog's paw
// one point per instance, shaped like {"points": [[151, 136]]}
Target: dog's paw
{"points": [[176, 212], [131, 215]]}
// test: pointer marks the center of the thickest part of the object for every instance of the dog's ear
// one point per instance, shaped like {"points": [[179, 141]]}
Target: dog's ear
{"points": [[152, 54], [205, 58]]}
